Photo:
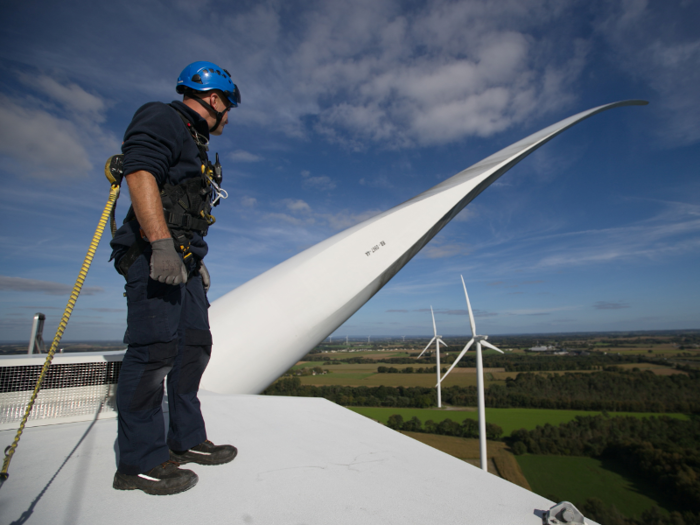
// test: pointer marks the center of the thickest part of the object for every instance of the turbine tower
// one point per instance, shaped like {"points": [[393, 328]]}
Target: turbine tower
{"points": [[438, 342], [479, 340]]}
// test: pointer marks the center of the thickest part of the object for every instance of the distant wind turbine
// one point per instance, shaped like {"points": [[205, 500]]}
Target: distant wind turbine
{"points": [[438, 342], [479, 340]]}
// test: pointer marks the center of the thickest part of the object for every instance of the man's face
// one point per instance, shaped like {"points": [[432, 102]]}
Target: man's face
{"points": [[220, 103]]}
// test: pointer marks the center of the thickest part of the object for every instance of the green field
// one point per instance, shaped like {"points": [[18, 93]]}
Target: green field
{"points": [[508, 419], [576, 479]]}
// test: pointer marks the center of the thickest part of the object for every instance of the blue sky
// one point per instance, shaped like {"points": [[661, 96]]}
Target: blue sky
{"points": [[349, 108]]}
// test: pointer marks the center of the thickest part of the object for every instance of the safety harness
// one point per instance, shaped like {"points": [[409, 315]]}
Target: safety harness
{"points": [[186, 206]]}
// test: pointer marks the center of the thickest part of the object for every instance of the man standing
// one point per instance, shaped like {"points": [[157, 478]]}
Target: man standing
{"points": [[160, 251]]}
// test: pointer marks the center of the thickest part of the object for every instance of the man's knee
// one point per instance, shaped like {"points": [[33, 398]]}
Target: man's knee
{"points": [[195, 358], [155, 362]]}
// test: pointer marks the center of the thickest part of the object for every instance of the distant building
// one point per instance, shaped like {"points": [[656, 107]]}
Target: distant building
{"points": [[541, 349]]}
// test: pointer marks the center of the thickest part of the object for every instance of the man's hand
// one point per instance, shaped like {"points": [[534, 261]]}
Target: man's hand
{"points": [[204, 273], [166, 265]]}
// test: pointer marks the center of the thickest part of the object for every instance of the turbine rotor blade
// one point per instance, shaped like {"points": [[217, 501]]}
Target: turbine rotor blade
{"points": [[489, 345], [440, 341], [469, 307], [464, 351], [430, 343], [328, 278], [434, 327]]}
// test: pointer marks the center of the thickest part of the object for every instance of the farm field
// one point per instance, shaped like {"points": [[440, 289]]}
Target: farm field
{"points": [[500, 460], [509, 419], [367, 375], [365, 354], [576, 479]]}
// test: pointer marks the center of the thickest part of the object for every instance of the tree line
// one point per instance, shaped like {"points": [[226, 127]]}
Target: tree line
{"points": [[662, 449], [410, 370], [469, 428], [610, 390]]}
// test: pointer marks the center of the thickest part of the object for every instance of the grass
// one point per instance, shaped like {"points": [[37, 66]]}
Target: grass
{"points": [[508, 419], [576, 479]]}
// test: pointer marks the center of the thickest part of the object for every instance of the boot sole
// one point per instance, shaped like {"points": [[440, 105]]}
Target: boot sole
{"points": [[203, 460], [152, 489]]}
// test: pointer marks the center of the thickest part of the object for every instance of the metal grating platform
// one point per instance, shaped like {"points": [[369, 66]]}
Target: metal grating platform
{"points": [[76, 387]]}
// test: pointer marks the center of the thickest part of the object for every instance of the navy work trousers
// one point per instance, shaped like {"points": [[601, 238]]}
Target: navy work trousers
{"points": [[168, 334]]}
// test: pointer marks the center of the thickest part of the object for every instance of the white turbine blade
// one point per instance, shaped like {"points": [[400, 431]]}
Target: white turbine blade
{"points": [[464, 351], [489, 345], [319, 289], [440, 341], [424, 349], [434, 327], [469, 307]]}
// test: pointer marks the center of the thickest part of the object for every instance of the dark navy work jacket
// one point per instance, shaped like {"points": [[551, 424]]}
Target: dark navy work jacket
{"points": [[158, 141]]}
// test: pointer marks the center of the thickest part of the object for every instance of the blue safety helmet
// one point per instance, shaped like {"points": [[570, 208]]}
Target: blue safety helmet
{"points": [[205, 76]]}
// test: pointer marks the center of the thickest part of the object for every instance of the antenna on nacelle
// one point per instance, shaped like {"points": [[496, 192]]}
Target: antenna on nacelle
{"points": [[36, 339]]}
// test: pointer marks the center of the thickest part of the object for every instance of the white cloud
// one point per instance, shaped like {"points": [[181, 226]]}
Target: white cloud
{"points": [[373, 72], [344, 219], [607, 305], [321, 183], [244, 156], [445, 250], [672, 232], [248, 202], [297, 206], [41, 144], [364, 72], [289, 219], [381, 181], [19, 284], [658, 43], [56, 136], [71, 96]]}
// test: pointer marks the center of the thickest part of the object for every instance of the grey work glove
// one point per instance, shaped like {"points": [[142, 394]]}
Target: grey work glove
{"points": [[204, 273], [166, 265]]}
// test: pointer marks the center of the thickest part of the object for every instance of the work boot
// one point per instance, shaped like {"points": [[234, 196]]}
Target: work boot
{"points": [[162, 480], [206, 453]]}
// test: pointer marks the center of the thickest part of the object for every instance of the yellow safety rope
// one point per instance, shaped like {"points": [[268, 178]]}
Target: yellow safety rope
{"points": [[9, 451]]}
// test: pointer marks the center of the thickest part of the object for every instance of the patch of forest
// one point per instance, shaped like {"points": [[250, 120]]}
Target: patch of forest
{"points": [[663, 450], [469, 428]]}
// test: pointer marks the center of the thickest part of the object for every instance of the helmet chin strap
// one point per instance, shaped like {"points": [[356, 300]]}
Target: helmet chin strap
{"points": [[219, 114]]}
